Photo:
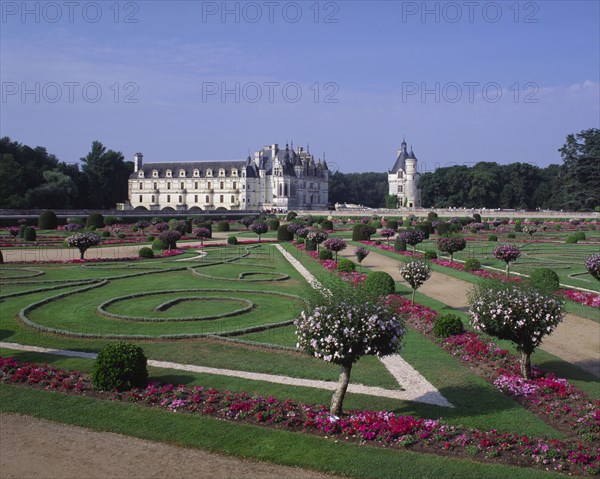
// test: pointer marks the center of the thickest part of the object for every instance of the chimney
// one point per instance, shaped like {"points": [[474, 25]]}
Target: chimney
{"points": [[137, 162], [274, 148]]}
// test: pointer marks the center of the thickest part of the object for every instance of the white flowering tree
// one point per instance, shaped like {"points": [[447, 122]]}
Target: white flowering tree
{"points": [[516, 312], [342, 323], [83, 241], [415, 273]]}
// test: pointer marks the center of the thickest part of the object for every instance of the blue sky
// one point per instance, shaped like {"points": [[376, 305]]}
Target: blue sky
{"points": [[183, 81]]}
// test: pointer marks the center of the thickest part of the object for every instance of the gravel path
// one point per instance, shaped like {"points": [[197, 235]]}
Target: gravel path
{"points": [[35, 448]]}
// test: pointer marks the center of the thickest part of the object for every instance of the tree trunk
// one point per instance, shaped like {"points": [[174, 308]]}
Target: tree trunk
{"points": [[508, 270], [81, 253], [337, 399], [413, 296], [526, 365]]}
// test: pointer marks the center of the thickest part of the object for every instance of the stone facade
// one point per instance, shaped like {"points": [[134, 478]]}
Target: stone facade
{"points": [[275, 178], [403, 179]]}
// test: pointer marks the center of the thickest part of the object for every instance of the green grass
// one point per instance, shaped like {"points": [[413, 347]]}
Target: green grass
{"points": [[253, 442]]}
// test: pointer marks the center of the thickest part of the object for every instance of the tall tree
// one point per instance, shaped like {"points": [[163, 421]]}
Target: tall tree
{"points": [[581, 160], [106, 174]]}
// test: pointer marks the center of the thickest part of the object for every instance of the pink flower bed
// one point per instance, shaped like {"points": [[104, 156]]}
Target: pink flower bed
{"points": [[588, 299], [379, 428]]}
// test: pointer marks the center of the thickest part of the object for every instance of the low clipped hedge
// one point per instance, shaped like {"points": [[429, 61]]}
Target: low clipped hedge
{"points": [[120, 366]]}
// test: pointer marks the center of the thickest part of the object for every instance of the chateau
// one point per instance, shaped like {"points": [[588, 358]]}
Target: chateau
{"points": [[276, 178], [403, 179]]}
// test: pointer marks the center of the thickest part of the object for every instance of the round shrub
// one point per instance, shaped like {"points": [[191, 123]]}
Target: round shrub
{"points": [[327, 225], [511, 235], [359, 233], [492, 238], [399, 244], [310, 245], [91, 228], [96, 220], [120, 366], [346, 266], [472, 264], [518, 226], [447, 325], [380, 283], [47, 220], [106, 234], [291, 215], [571, 239], [146, 252], [443, 228], [425, 227], [325, 254], [284, 234], [430, 254], [545, 280], [159, 244], [273, 225], [376, 224], [121, 236], [222, 226], [150, 238], [22, 229], [580, 235], [29, 234], [393, 224], [232, 240], [477, 218], [432, 216]]}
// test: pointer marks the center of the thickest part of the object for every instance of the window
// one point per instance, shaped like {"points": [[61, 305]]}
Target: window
{"points": [[168, 198], [220, 198], [156, 186], [141, 185], [234, 172], [140, 198], [182, 185], [222, 185], [154, 173], [196, 173], [168, 185], [153, 198], [196, 185], [182, 173], [209, 172], [180, 199], [221, 172], [169, 173], [195, 198], [209, 185], [207, 199], [234, 184], [141, 174], [232, 199]]}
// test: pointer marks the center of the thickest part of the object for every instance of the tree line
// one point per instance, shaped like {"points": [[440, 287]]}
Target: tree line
{"points": [[574, 185], [33, 178]]}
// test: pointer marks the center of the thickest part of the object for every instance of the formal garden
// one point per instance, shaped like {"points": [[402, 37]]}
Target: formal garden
{"points": [[243, 350]]}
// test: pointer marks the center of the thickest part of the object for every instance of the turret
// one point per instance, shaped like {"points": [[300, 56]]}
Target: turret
{"points": [[137, 162]]}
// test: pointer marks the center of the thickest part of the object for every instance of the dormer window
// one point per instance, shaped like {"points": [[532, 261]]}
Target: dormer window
{"points": [[141, 174], [154, 173], [196, 173], [221, 172], [182, 173], [209, 172], [234, 172], [169, 174]]}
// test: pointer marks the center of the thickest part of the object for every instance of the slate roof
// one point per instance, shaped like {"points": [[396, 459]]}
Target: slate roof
{"points": [[189, 168], [401, 160]]}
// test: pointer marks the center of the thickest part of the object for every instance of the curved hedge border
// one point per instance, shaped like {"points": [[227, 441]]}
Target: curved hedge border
{"points": [[49, 288], [241, 276], [36, 272], [22, 315], [248, 305]]}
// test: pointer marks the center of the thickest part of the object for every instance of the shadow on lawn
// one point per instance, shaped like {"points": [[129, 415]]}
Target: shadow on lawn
{"points": [[5, 334], [573, 371]]}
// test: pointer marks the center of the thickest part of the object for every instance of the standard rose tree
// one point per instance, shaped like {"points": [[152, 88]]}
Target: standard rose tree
{"points": [[516, 312], [83, 241], [343, 323], [507, 253], [451, 245], [259, 228], [201, 234], [387, 233], [592, 264], [415, 273], [412, 238], [335, 245]]}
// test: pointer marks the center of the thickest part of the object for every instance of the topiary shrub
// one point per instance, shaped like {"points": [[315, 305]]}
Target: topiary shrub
{"points": [[29, 234], [310, 245], [150, 238], [393, 224], [430, 254], [106, 234], [22, 229], [146, 252], [158, 244], [284, 234], [47, 220], [222, 226], [432, 216], [376, 224], [273, 225], [325, 254], [327, 225], [232, 240], [120, 366], [346, 266], [443, 228], [426, 228], [447, 325], [121, 236], [492, 238], [399, 244], [359, 233], [511, 235], [472, 264], [580, 235], [545, 280], [571, 239], [291, 215], [380, 283], [96, 220]]}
